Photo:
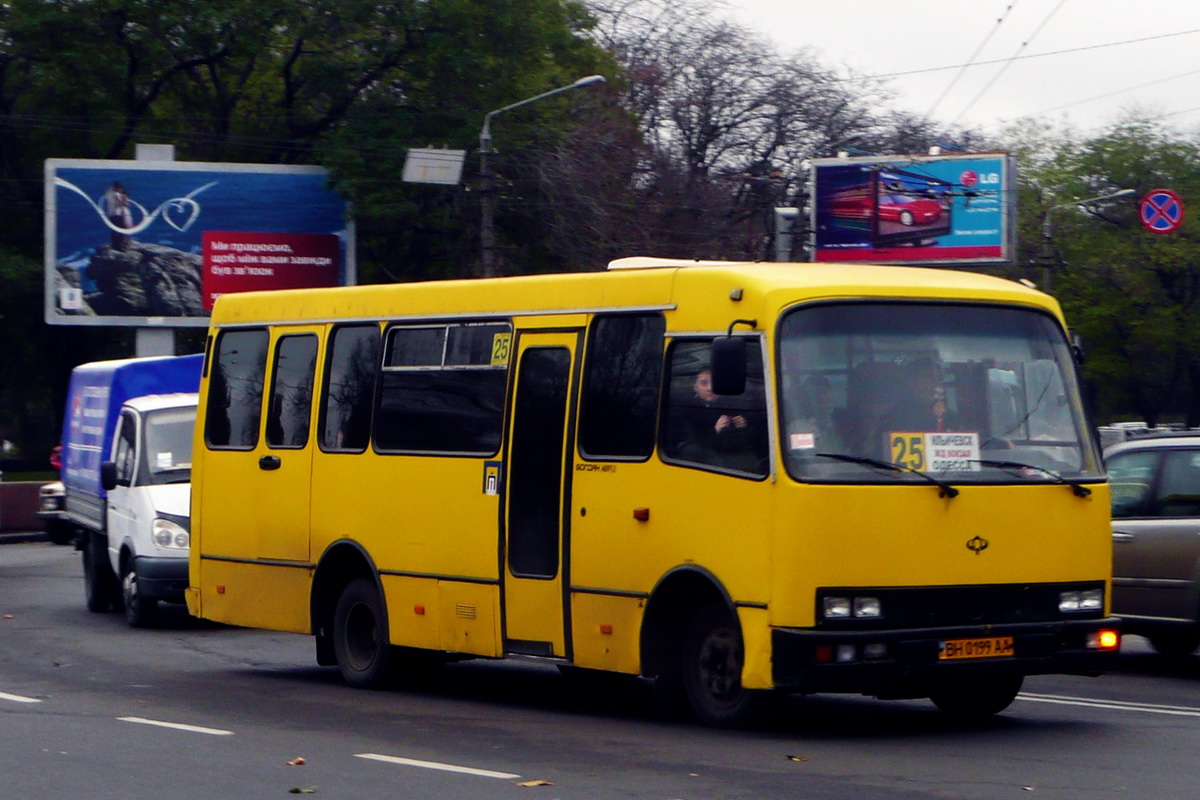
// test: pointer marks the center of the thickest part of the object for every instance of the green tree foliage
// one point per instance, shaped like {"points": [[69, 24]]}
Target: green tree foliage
{"points": [[1132, 294]]}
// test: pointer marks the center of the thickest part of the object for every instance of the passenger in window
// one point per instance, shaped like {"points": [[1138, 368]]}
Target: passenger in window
{"points": [[709, 431]]}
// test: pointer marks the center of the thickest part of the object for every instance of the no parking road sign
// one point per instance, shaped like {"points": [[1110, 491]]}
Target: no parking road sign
{"points": [[1161, 211]]}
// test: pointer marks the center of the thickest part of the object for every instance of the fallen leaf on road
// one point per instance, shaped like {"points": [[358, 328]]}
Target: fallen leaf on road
{"points": [[535, 783], [298, 761], [8, 616], [304, 790], [797, 758]]}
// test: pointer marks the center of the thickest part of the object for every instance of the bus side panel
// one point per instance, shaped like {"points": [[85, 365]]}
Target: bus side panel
{"points": [[413, 611], [256, 595], [470, 615], [711, 521], [756, 641], [606, 631], [412, 514]]}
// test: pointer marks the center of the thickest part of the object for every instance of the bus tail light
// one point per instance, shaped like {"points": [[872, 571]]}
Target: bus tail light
{"points": [[1103, 640]]}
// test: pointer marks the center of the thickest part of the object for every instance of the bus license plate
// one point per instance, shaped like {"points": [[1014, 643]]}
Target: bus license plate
{"points": [[988, 647]]}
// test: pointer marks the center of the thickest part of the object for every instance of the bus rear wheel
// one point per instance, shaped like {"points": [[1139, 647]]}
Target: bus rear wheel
{"points": [[974, 700], [360, 636], [713, 656]]}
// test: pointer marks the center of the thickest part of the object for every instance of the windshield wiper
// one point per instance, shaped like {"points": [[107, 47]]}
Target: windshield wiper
{"points": [[1078, 490], [944, 489]]}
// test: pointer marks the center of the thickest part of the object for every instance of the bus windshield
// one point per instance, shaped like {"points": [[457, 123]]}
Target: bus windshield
{"points": [[965, 393]]}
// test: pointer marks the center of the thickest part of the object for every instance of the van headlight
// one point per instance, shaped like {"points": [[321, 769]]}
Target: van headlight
{"points": [[170, 535]]}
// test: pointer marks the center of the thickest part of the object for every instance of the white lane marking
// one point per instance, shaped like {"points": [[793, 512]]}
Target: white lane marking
{"points": [[176, 726], [16, 698], [408, 762], [1111, 705]]}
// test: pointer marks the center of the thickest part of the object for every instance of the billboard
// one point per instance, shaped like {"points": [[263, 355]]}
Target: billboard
{"points": [[154, 243], [936, 210]]}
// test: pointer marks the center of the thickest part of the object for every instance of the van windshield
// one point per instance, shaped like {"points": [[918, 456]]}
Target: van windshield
{"points": [[965, 393], [167, 454]]}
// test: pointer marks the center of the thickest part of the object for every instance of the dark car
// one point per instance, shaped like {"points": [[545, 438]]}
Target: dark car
{"points": [[52, 511], [1155, 483]]}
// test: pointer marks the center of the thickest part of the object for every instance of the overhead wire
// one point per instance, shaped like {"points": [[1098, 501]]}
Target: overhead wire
{"points": [[970, 61], [1009, 62]]}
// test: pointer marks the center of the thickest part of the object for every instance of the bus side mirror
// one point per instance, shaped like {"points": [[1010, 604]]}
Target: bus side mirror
{"points": [[729, 365], [1077, 347]]}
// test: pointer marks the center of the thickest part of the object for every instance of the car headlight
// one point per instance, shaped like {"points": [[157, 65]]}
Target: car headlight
{"points": [[1077, 601], [168, 534]]}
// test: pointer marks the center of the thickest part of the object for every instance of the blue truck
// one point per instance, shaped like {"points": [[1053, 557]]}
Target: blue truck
{"points": [[126, 453]]}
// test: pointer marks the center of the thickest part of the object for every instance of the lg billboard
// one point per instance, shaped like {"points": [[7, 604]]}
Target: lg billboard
{"points": [[937, 209]]}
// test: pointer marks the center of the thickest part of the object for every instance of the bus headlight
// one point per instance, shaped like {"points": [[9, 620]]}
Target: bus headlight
{"points": [[167, 534], [837, 607], [867, 607], [859, 607], [1076, 601]]}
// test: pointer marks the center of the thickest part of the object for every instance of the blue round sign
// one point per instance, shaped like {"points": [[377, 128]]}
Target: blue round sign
{"points": [[1161, 211]]}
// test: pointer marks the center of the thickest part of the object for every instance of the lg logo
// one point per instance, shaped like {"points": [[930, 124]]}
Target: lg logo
{"points": [[970, 177]]}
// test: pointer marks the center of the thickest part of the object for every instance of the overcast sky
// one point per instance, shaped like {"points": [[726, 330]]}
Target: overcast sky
{"points": [[1142, 54]]}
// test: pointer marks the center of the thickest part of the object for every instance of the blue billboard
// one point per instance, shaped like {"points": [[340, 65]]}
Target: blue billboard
{"points": [[125, 239], [936, 209]]}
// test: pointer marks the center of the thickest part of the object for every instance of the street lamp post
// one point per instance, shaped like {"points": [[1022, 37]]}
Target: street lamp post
{"points": [[1086, 204], [487, 218]]}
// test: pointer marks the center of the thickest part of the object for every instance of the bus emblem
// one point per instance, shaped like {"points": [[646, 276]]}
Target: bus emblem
{"points": [[977, 544]]}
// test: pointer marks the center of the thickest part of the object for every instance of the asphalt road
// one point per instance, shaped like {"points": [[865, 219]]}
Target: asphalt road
{"points": [[90, 708]]}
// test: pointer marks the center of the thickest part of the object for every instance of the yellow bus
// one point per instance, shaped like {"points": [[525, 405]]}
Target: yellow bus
{"points": [[734, 479]]}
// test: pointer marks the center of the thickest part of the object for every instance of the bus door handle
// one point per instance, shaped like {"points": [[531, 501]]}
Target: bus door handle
{"points": [[269, 462], [1122, 536]]}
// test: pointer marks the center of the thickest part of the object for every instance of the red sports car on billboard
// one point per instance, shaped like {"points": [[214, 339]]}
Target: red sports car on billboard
{"points": [[909, 210]]}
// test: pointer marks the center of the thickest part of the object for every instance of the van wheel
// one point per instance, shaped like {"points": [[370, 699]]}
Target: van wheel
{"points": [[99, 582], [713, 656], [140, 612], [360, 636], [974, 700]]}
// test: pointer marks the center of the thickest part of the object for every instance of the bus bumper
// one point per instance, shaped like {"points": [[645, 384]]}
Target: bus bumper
{"points": [[908, 663]]}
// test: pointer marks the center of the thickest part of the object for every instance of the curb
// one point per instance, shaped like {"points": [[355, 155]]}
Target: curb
{"points": [[17, 537]]}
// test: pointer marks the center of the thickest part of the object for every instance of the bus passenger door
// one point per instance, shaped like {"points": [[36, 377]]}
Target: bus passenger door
{"points": [[284, 454], [538, 492]]}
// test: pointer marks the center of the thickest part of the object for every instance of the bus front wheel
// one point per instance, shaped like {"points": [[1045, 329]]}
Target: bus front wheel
{"points": [[973, 700], [713, 656], [360, 637]]}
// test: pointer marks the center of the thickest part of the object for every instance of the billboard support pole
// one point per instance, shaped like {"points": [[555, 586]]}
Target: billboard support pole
{"points": [[785, 223], [154, 341]]}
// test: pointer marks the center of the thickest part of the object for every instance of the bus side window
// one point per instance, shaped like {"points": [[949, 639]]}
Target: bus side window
{"points": [[349, 390], [291, 391], [728, 432], [235, 390], [620, 386]]}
